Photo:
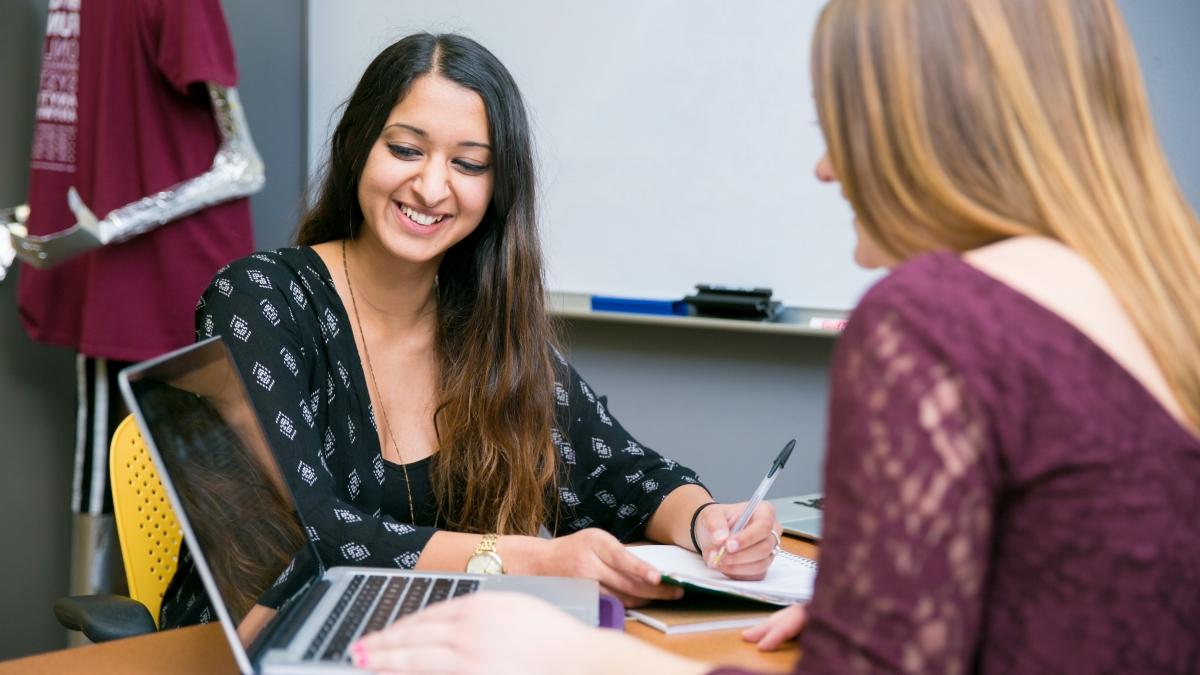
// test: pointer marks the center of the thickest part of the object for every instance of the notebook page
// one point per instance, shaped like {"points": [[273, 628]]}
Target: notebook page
{"points": [[790, 576]]}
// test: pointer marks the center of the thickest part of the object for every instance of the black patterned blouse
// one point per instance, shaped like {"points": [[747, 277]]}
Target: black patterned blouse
{"points": [[291, 338]]}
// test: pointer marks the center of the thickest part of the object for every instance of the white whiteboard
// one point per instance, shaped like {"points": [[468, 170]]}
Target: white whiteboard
{"points": [[676, 139]]}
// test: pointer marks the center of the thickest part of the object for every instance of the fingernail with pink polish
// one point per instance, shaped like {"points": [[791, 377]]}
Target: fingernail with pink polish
{"points": [[360, 655]]}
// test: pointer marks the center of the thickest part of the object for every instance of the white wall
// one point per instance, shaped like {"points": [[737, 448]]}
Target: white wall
{"points": [[676, 138]]}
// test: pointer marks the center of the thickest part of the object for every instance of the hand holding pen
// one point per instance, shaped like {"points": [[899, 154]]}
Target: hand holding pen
{"points": [[739, 540]]}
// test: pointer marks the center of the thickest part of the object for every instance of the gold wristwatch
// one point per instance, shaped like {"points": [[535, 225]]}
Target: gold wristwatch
{"points": [[485, 560]]}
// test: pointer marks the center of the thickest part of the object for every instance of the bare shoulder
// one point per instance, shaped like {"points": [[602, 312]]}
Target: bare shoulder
{"points": [[330, 253], [1059, 279], [1053, 275]]}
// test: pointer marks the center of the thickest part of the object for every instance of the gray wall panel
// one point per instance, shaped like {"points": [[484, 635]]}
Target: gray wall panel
{"points": [[721, 403], [1164, 32], [37, 388], [269, 38]]}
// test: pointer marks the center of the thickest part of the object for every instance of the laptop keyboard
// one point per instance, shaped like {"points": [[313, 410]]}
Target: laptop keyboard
{"points": [[371, 602]]}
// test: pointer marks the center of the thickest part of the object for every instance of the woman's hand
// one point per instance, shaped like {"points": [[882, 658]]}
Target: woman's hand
{"points": [[749, 553], [778, 628], [595, 554], [507, 634], [483, 632]]}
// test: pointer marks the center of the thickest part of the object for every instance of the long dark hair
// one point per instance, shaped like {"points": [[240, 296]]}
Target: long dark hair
{"points": [[495, 463]]}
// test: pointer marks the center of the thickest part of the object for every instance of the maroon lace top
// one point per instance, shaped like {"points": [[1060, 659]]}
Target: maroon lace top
{"points": [[1001, 495]]}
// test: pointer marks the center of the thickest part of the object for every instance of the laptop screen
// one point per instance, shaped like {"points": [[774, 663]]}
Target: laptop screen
{"points": [[222, 478]]}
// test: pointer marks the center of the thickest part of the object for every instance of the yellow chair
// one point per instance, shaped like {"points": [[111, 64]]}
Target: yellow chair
{"points": [[150, 539], [146, 524]]}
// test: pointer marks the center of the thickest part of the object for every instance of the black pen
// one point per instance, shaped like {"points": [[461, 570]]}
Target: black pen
{"points": [[758, 495]]}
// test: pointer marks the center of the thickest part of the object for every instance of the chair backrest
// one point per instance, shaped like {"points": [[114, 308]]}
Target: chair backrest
{"points": [[146, 525]]}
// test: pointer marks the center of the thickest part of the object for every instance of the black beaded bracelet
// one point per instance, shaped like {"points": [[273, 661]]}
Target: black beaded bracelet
{"points": [[692, 527]]}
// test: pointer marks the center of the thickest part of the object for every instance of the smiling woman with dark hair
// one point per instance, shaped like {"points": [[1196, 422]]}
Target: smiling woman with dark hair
{"points": [[405, 369]]}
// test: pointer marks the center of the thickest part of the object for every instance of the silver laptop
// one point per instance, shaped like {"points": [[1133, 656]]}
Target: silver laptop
{"points": [[241, 525], [800, 516]]}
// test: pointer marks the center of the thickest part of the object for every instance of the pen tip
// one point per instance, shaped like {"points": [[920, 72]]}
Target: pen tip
{"points": [[787, 452]]}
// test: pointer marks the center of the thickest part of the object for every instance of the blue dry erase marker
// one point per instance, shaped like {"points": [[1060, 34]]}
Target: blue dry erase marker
{"points": [[758, 495], [605, 303]]}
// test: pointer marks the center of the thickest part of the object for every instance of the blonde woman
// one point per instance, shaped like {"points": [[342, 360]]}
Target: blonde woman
{"points": [[1013, 474]]}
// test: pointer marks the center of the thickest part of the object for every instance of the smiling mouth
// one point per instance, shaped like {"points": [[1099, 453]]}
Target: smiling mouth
{"points": [[419, 218]]}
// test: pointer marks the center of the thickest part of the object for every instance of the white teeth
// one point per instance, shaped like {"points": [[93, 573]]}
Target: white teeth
{"points": [[420, 218]]}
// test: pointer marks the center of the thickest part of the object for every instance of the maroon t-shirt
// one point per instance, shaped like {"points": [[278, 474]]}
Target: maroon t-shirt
{"points": [[123, 113], [1001, 496]]}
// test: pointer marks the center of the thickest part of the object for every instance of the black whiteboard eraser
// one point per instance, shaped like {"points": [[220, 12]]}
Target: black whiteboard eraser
{"points": [[730, 306], [743, 291]]}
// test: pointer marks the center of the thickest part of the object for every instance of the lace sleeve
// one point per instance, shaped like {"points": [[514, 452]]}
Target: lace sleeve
{"points": [[910, 482]]}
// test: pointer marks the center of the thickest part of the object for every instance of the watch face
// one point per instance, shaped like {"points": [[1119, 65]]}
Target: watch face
{"points": [[485, 563]]}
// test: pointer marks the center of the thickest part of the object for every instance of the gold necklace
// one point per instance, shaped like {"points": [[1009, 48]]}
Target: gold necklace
{"points": [[412, 513]]}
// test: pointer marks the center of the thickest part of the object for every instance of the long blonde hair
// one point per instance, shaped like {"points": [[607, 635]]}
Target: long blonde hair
{"points": [[957, 123]]}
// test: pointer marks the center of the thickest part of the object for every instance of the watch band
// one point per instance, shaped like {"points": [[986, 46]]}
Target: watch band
{"points": [[487, 544], [485, 559]]}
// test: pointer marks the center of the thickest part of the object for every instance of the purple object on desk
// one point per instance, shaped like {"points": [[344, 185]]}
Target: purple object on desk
{"points": [[612, 613]]}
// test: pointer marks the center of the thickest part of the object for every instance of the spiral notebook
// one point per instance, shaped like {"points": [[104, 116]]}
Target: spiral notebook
{"points": [[698, 612], [789, 579]]}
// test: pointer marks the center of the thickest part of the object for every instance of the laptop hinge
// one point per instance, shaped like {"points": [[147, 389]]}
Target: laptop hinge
{"points": [[282, 628]]}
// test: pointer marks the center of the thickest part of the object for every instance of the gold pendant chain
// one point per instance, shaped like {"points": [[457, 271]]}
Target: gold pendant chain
{"points": [[412, 513]]}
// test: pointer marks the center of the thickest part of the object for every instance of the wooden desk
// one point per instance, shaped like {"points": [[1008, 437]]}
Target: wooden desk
{"points": [[202, 650], [197, 650]]}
